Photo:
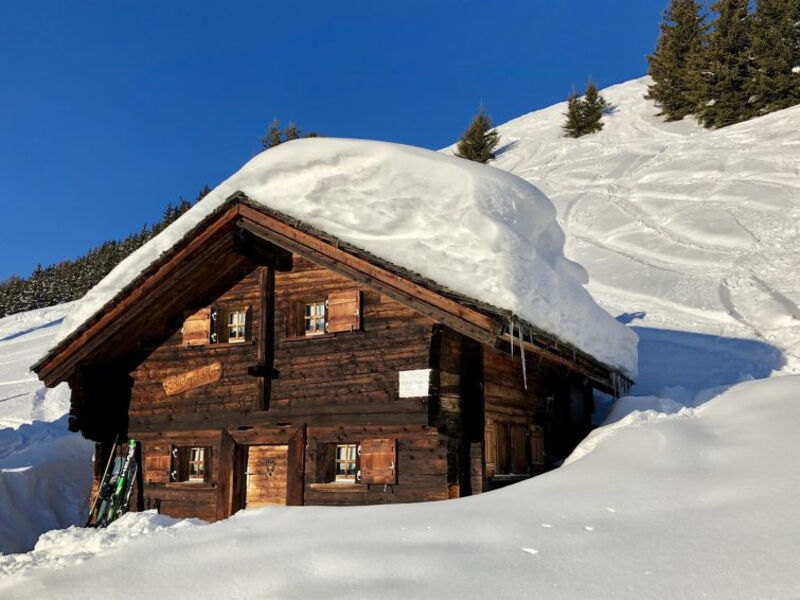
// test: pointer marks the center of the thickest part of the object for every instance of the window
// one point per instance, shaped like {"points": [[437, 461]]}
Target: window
{"points": [[197, 464], [236, 325], [508, 449], [345, 462], [190, 463], [314, 318], [231, 325], [338, 313], [371, 461]]}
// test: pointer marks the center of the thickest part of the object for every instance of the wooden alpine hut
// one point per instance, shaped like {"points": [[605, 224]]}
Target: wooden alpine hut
{"points": [[342, 322]]}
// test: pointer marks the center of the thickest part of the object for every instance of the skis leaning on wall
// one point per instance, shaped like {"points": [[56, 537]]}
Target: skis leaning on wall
{"points": [[115, 488]]}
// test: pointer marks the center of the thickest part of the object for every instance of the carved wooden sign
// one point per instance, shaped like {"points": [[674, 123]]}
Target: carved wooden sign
{"points": [[177, 384]]}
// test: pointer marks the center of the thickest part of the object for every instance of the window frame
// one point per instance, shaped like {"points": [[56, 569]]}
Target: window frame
{"points": [[219, 327], [348, 476], [181, 465], [297, 315], [307, 318], [242, 325], [195, 464]]}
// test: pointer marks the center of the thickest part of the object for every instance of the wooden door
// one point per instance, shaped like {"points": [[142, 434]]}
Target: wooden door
{"points": [[266, 475]]}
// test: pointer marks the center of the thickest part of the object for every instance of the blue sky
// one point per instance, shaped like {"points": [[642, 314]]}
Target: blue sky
{"points": [[109, 110]]}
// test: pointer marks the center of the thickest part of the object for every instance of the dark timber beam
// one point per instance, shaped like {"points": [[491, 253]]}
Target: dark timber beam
{"points": [[260, 251]]}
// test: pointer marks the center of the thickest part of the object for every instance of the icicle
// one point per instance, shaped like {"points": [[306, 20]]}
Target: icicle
{"points": [[511, 327], [522, 355]]}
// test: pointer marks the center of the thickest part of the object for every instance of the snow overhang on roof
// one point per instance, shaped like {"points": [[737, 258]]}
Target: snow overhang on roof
{"points": [[473, 229]]}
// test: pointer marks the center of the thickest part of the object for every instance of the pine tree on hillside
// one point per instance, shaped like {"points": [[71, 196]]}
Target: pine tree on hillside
{"points": [[584, 114], [594, 106], [292, 132], [673, 65], [775, 80], [727, 68], [479, 140], [573, 127], [274, 135], [202, 193]]}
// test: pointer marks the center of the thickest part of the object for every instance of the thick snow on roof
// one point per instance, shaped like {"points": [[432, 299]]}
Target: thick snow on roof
{"points": [[475, 229]]}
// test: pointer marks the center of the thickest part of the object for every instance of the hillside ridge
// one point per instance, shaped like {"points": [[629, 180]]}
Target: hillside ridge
{"points": [[680, 228]]}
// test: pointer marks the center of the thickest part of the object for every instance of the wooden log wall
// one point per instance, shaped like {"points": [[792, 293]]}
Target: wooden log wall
{"points": [[536, 425], [236, 392], [344, 386], [333, 378], [336, 388], [184, 498], [421, 466]]}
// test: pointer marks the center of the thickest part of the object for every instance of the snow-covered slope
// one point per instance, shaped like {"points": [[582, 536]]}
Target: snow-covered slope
{"points": [[681, 229], [45, 471], [472, 228], [701, 504]]}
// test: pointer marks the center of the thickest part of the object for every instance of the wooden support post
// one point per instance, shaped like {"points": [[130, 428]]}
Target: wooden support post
{"points": [[295, 475], [225, 474]]}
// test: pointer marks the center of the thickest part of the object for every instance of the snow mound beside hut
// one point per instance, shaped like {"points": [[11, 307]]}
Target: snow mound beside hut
{"points": [[475, 229]]}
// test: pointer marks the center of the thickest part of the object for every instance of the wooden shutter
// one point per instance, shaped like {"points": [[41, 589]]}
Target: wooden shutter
{"points": [[519, 449], [220, 325], [490, 444], [207, 464], [326, 462], [179, 464], [197, 328], [503, 447], [537, 445], [248, 323], [377, 461], [344, 311], [157, 462]]}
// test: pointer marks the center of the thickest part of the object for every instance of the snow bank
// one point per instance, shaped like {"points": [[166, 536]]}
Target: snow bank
{"points": [[695, 505], [475, 229], [45, 471], [66, 547]]}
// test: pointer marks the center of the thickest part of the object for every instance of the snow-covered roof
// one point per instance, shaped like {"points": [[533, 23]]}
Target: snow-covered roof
{"points": [[477, 230]]}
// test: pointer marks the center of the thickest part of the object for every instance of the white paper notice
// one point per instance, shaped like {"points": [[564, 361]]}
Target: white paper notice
{"points": [[414, 384]]}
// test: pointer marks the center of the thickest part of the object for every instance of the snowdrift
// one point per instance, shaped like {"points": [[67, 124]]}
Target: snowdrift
{"points": [[699, 503], [45, 471], [477, 230]]}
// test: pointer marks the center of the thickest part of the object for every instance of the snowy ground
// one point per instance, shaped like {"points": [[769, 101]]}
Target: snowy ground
{"points": [[44, 476], [698, 504], [688, 491]]}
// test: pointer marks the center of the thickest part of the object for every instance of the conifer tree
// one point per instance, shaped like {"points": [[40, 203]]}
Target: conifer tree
{"points": [[775, 82], [292, 132], [574, 124], [274, 135], [585, 115], [674, 64], [727, 68], [594, 108], [202, 193], [479, 139]]}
